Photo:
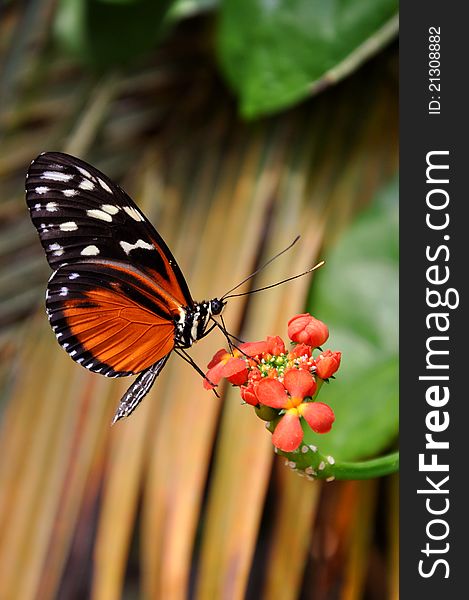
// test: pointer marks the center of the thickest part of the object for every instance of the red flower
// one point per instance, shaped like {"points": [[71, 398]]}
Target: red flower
{"points": [[289, 396], [306, 329], [281, 383], [248, 391], [234, 366], [224, 364], [275, 345], [327, 363]]}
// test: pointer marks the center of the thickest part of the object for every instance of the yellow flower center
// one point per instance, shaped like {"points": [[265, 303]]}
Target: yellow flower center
{"points": [[293, 402]]}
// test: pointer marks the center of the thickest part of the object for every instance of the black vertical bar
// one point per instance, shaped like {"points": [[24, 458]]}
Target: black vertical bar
{"points": [[434, 260]]}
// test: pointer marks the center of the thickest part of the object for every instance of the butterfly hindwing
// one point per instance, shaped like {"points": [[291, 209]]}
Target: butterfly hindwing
{"points": [[81, 215], [109, 317]]}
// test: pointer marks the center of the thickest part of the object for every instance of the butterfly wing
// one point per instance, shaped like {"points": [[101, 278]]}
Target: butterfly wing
{"points": [[110, 317], [82, 215], [116, 287]]}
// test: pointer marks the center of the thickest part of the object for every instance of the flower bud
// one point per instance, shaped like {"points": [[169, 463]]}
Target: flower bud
{"points": [[248, 395], [306, 329], [327, 363], [275, 345]]}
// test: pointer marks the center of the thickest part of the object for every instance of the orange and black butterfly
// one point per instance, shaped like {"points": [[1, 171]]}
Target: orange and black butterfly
{"points": [[117, 300]]}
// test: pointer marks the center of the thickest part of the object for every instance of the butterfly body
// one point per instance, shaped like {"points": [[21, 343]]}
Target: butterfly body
{"points": [[117, 300]]}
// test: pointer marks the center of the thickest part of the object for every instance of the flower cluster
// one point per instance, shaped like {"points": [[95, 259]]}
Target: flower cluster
{"points": [[285, 381]]}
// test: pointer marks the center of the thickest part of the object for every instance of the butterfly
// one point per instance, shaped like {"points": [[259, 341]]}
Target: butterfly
{"points": [[117, 300]]}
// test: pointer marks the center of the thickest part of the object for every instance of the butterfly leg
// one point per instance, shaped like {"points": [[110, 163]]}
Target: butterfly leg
{"points": [[187, 357], [138, 390]]}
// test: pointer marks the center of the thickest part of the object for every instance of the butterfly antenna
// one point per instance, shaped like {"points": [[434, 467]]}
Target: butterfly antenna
{"points": [[276, 284], [258, 270]]}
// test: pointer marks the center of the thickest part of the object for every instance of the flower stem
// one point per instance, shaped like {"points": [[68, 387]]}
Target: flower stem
{"points": [[310, 462], [367, 469]]}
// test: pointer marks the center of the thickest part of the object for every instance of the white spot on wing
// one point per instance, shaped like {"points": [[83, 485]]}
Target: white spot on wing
{"points": [[68, 226], [134, 214], [99, 214], [55, 247], [127, 248], [85, 173], [51, 206], [104, 185], [73, 276], [110, 208], [86, 185], [56, 176], [90, 251], [69, 193], [42, 189], [63, 291]]}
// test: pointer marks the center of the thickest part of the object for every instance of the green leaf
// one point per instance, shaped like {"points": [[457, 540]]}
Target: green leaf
{"points": [[187, 8], [356, 294], [277, 52], [108, 34]]}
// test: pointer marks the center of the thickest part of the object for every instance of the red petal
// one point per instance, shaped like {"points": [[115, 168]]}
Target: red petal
{"points": [[299, 383], [235, 371], [271, 393], [319, 416], [217, 357], [214, 375], [300, 350], [239, 378], [254, 348], [232, 366], [288, 433]]}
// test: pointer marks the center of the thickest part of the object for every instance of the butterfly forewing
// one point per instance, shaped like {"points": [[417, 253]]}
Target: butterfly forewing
{"points": [[82, 215], [117, 288]]}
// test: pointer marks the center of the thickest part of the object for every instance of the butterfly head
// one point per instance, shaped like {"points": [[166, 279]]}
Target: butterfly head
{"points": [[217, 306]]}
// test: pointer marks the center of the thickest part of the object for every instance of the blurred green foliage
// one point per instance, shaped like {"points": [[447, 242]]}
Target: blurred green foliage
{"points": [[273, 53], [106, 33]]}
